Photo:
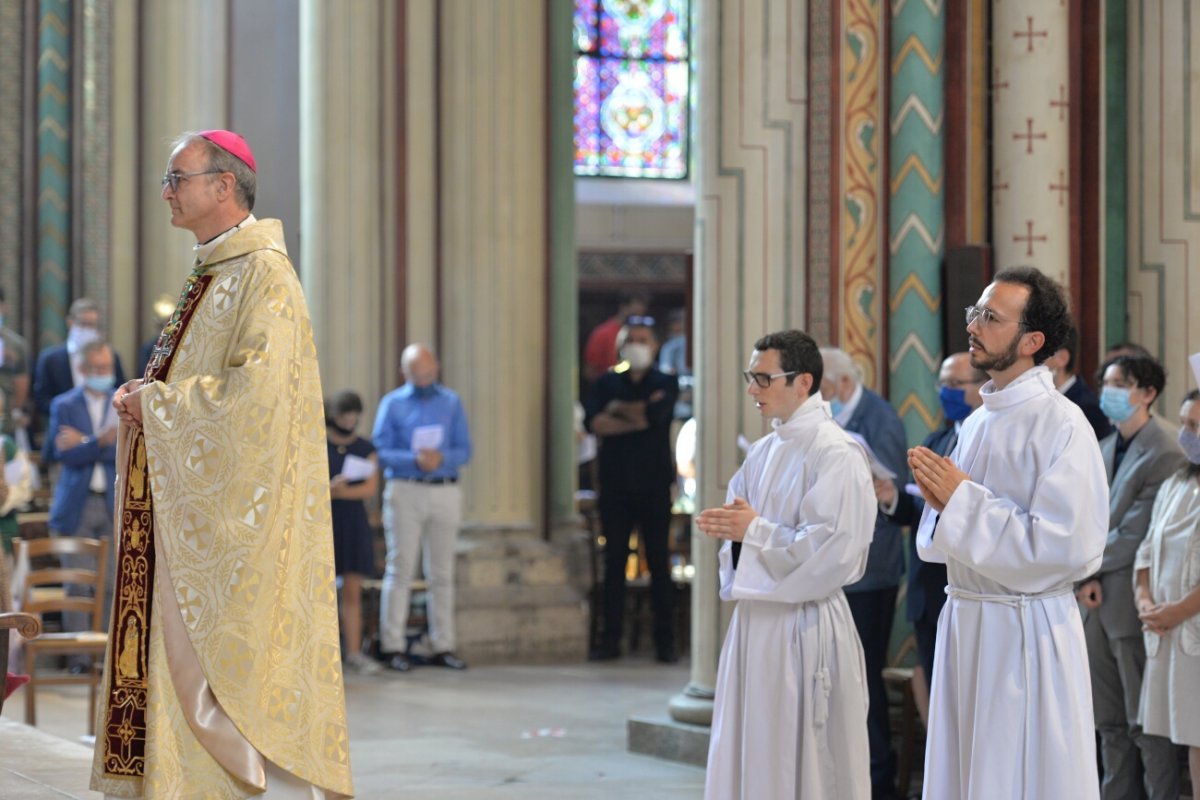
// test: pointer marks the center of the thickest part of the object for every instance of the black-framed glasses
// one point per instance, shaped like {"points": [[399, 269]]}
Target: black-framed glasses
{"points": [[173, 179], [986, 316], [764, 379], [641, 321]]}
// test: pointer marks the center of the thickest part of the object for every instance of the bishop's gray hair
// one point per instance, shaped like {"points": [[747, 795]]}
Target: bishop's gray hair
{"points": [[245, 181]]}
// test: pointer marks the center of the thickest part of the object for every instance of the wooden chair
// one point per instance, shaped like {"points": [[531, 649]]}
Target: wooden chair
{"points": [[27, 625], [35, 600]]}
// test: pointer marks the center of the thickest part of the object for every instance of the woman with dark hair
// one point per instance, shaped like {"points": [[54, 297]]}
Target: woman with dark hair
{"points": [[1167, 592], [353, 477]]}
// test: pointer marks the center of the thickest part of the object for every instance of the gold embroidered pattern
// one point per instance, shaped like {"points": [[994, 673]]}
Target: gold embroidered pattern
{"points": [[122, 736]]}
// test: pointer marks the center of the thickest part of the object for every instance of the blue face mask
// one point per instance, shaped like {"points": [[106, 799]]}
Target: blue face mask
{"points": [[425, 392], [836, 406], [1190, 442], [954, 403], [1114, 402], [98, 383]]}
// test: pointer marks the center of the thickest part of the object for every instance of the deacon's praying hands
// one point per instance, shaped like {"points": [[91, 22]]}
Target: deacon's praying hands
{"points": [[936, 476], [730, 521]]}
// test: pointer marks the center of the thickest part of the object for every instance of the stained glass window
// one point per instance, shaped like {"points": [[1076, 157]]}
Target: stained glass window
{"points": [[631, 88]]}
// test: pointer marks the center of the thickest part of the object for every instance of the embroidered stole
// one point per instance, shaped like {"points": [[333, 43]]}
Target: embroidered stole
{"points": [[122, 732]]}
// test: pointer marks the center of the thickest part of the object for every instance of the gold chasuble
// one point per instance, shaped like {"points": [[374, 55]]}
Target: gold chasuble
{"points": [[224, 647]]}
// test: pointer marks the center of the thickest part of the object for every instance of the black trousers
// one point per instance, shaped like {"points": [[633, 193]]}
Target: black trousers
{"points": [[873, 611], [650, 511]]}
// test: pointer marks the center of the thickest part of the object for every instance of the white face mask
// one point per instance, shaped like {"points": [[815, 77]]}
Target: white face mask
{"points": [[639, 356]]}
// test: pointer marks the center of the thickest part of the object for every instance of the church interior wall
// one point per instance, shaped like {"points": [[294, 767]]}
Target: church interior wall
{"points": [[433, 173], [1164, 188]]}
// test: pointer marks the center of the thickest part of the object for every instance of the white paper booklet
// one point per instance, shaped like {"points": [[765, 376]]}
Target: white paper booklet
{"points": [[426, 437], [356, 468]]}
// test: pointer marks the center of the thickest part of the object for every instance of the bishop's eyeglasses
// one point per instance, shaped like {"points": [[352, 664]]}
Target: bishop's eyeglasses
{"points": [[173, 179]]}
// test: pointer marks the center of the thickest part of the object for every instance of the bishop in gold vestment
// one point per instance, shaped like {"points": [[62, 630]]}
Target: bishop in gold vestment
{"points": [[223, 673]]}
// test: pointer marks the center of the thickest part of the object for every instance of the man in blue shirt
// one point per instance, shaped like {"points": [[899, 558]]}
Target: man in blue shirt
{"points": [[422, 440]]}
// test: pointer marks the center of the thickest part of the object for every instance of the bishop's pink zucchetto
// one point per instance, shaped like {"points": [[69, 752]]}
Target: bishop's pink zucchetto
{"points": [[233, 144]]}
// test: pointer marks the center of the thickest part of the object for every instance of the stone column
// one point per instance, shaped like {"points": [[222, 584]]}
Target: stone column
{"points": [[917, 224], [750, 256], [342, 180], [484, 279], [493, 260], [185, 57], [92, 99], [1030, 124], [130, 193]]}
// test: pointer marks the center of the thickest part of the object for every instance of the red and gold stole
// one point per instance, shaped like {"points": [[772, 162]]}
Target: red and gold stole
{"points": [[122, 732]]}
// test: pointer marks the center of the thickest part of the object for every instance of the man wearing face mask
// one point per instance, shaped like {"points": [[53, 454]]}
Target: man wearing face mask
{"points": [[629, 409], [1138, 457], [58, 367], [82, 435], [958, 391], [422, 440]]}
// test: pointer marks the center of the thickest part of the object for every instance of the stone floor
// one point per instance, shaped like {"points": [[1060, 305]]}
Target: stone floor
{"points": [[489, 732]]}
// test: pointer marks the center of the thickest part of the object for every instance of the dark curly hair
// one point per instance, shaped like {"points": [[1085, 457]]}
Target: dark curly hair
{"points": [[1144, 371], [1046, 308], [798, 352]]}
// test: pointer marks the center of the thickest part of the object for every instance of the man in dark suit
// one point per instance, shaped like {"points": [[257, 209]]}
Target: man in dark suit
{"points": [[82, 436], [873, 598], [57, 369], [1138, 457], [1075, 388], [958, 391]]}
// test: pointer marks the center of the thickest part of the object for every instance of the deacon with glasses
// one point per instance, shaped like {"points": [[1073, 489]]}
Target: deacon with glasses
{"points": [[790, 713], [1018, 513], [222, 676]]}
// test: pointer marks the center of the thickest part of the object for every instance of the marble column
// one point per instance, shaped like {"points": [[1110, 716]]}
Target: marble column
{"points": [[563, 269], [343, 57], [54, 19], [12, 161], [1030, 124], [184, 80], [750, 257], [861, 233], [916, 224]]}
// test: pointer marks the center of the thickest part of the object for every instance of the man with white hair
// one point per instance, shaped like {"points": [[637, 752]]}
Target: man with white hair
{"points": [[422, 438], [873, 598]]}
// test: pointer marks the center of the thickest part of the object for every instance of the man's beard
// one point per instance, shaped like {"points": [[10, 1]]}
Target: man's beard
{"points": [[996, 363]]}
